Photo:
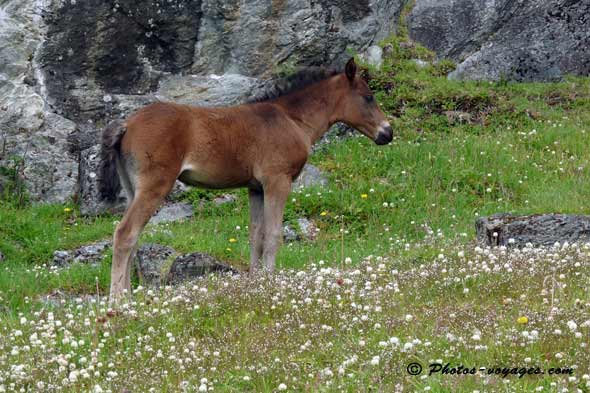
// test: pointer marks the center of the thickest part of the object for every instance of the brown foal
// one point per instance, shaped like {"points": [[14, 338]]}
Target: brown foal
{"points": [[261, 145]]}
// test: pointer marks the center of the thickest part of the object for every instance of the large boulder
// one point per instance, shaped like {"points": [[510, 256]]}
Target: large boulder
{"points": [[537, 230], [522, 40]]}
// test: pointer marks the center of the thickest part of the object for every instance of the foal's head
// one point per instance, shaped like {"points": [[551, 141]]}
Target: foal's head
{"points": [[360, 109]]}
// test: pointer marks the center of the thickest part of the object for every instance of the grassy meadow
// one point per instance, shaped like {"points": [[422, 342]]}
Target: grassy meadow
{"points": [[392, 278]]}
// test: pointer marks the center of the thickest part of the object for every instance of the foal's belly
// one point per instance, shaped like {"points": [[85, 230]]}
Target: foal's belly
{"points": [[197, 178]]}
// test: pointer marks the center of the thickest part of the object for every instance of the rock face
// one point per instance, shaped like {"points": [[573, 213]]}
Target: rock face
{"points": [[248, 37], [538, 230], [101, 58], [33, 140], [521, 40], [69, 67]]}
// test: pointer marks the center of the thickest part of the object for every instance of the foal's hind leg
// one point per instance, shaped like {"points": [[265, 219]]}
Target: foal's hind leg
{"points": [[147, 199], [256, 228]]}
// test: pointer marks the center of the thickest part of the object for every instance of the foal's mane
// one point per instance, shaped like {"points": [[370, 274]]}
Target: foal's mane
{"points": [[299, 80]]}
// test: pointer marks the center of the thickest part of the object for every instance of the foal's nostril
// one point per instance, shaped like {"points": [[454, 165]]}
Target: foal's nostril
{"points": [[385, 136]]}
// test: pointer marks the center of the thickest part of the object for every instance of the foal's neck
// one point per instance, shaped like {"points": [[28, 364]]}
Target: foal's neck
{"points": [[315, 108]]}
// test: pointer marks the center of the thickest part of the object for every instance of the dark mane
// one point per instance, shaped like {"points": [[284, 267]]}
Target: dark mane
{"points": [[296, 81]]}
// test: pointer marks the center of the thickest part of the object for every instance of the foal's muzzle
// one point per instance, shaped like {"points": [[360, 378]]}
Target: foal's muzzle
{"points": [[384, 136]]}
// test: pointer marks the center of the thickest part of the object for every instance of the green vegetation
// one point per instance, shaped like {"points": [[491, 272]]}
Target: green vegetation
{"points": [[13, 188], [462, 150]]}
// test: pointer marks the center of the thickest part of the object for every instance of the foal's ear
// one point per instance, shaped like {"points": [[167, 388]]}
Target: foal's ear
{"points": [[350, 69]]}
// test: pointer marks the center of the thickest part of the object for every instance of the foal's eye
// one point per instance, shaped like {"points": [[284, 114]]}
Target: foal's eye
{"points": [[369, 98]]}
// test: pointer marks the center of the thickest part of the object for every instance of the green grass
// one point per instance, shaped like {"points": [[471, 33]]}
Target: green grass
{"points": [[523, 149]]}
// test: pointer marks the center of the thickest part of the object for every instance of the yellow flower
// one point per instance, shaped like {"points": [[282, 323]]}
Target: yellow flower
{"points": [[364, 196], [232, 240], [522, 320], [323, 213], [228, 249], [67, 210]]}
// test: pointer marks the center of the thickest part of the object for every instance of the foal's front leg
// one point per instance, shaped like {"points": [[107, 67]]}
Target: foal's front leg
{"points": [[256, 228], [276, 192]]}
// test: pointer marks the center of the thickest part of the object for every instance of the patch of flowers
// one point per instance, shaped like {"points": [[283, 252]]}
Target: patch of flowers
{"points": [[323, 328]]}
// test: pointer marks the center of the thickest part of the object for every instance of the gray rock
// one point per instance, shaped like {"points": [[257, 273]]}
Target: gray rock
{"points": [[191, 266], [307, 230], [516, 40], [310, 176], [17, 47], [90, 254], [62, 258], [30, 133], [152, 262], [36, 142], [373, 56], [157, 265], [458, 117], [172, 213], [90, 201], [289, 234], [538, 230], [421, 63], [224, 199], [388, 50], [339, 131], [178, 189]]}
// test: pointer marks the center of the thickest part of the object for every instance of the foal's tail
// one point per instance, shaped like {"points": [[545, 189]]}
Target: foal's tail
{"points": [[109, 184]]}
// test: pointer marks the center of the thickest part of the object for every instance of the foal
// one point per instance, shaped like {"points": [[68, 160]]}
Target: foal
{"points": [[262, 146]]}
